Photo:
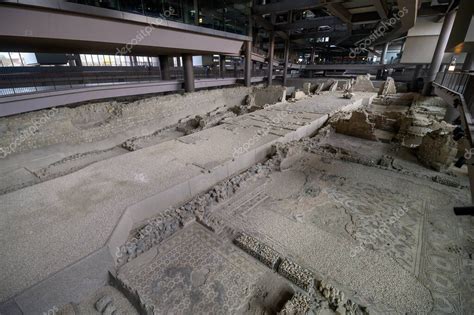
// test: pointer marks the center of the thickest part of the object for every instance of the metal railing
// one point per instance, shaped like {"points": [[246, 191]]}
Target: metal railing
{"points": [[461, 83], [19, 83], [26, 83]]}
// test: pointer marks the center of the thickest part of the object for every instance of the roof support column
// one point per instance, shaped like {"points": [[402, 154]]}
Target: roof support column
{"points": [[285, 66], [439, 51], [416, 75], [221, 66], [248, 63], [384, 53], [188, 73], [271, 48], [311, 59], [165, 67]]}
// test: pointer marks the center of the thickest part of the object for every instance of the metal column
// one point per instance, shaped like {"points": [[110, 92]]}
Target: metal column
{"points": [[165, 68], [285, 66], [188, 73], [384, 53], [416, 75], [271, 48], [248, 63], [439, 51], [221, 66]]}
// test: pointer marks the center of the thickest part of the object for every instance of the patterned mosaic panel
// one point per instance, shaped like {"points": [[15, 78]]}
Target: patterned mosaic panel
{"points": [[193, 273], [426, 238], [382, 219]]}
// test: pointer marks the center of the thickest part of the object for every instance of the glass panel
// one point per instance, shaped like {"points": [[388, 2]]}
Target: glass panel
{"points": [[236, 16], [29, 59], [108, 4], [132, 6], [229, 15], [107, 60], [101, 60], [211, 14], [168, 10], [83, 60], [95, 60], [16, 59], [5, 60], [90, 61]]}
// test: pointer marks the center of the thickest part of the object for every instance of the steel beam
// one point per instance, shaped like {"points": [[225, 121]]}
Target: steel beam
{"points": [[311, 23], [340, 11], [285, 5], [381, 7]]}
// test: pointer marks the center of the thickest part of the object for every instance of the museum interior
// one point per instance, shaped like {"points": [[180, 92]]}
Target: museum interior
{"points": [[236, 157]]}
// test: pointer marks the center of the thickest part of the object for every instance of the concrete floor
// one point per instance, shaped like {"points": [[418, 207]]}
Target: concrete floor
{"points": [[308, 203]]}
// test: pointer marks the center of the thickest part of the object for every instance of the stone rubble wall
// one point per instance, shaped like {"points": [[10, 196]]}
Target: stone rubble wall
{"points": [[438, 149], [355, 124]]}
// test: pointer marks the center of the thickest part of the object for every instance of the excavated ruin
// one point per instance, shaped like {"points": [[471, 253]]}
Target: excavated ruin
{"points": [[335, 217]]}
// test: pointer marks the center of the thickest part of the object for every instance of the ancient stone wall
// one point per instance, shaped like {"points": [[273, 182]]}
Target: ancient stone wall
{"points": [[97, 121]]}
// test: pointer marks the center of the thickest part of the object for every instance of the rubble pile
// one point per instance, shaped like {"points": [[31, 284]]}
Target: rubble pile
{"points": [[363, 84]]}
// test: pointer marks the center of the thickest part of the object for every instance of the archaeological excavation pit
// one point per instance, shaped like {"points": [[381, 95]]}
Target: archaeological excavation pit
{"points": [[236, 157]]}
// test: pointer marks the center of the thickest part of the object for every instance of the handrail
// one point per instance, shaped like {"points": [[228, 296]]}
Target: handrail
{"points": [[461, 83], [37, 82]]}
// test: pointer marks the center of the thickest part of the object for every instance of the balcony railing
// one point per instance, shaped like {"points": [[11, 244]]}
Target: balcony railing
{"points": [[460, 83], [20, 83]]}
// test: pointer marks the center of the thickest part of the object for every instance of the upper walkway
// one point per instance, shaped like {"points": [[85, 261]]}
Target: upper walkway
{"points": [[59, 26]]}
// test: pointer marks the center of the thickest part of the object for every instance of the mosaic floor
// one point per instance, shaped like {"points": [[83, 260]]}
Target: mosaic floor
{"points": [[193, 273], [409, 220], [393, 245]]}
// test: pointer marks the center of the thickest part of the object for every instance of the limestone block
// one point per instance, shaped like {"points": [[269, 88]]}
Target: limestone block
{"points": [[363, 84], [333, 86], [298, 95], [388, 87], [307, 88]]}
